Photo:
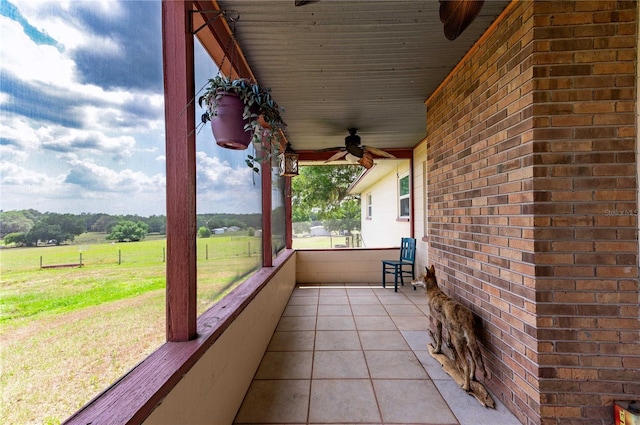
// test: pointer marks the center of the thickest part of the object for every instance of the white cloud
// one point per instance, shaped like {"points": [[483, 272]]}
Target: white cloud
{"points": [[94, 177], [32, 62]]}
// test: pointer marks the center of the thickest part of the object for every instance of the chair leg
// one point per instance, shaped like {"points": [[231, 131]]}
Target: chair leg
{"points": [[395, 279], [384, 275]]}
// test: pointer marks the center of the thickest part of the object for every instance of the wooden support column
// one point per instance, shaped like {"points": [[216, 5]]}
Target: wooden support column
{"points": [[179, 91], [288, 211], [267, 232]]}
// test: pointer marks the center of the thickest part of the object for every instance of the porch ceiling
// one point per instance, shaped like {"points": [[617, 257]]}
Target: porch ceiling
{"points": [[339, 64]]}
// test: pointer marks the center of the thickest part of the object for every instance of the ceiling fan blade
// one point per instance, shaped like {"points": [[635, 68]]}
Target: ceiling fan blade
{"points": [[366, 161], [336, 156], [303, 2], [378, 152], [456, 15], [335, 148]]}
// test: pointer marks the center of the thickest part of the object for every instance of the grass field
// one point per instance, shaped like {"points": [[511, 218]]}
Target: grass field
{"points": [[67, 333]]}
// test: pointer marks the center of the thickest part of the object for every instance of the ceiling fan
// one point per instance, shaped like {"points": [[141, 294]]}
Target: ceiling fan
{"points": [[457, 15], [352, 147]]}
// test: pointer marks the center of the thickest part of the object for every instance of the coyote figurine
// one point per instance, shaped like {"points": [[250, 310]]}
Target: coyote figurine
{"points": [[459, 325]]}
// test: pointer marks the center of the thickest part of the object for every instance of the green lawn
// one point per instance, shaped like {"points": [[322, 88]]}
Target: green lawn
{"points": [[67, 333]]}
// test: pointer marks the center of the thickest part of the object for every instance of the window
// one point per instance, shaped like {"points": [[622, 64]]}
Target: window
{"points": [[369, 205], [404, 195]]}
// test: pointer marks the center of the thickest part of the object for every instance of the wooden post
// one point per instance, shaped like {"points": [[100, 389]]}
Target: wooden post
{"points": [[265, 174], [179, 105], [288, 224]]}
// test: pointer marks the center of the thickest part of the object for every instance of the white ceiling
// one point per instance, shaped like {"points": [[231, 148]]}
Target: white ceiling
{"points": [[336, 64]]}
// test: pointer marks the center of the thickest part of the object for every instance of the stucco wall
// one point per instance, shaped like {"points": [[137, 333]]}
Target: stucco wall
{"points": [[345, 265], [531, 195]]}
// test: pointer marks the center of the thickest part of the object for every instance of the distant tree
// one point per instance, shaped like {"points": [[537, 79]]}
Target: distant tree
{"points": [[15, 222], [127, 230], [58, 227], [15, 238], [43, 231], [345, 218], [321, 193], [204, 232], [252, 232], [300, 227], [157, 224], [104, 223]]}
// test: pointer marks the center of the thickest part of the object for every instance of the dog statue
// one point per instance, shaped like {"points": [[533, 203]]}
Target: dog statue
{"points": [[458, 322]]}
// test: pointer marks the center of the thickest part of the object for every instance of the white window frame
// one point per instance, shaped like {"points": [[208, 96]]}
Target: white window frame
{"points": [[404, 197], [369, 205]]}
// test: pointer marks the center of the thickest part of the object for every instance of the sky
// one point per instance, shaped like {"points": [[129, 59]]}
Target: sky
{"points": [[82, 116]]}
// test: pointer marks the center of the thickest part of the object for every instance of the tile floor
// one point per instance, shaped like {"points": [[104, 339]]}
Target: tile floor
{"points": [[358, 354]]}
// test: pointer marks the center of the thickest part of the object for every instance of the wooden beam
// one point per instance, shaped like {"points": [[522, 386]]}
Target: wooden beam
{"points": [[399, 153], [179, 89], [217, 39]]}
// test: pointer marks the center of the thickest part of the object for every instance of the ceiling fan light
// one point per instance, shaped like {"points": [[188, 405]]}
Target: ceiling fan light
{"points": [[351, 159]]}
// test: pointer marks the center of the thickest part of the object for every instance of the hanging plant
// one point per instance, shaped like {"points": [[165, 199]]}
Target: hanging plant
{"points": [[242, 112]]}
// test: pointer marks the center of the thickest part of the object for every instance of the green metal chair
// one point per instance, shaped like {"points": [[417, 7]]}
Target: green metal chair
{"points": [[404, 266]]}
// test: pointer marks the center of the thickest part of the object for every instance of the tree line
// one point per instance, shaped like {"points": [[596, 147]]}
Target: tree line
{"points": [[29, 226], [319, 195]]}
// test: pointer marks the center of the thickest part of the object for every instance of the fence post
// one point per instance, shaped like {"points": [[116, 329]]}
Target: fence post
{"points": [[164, 254], [206, 249], [249, 248], [80, 259], [41, 261], [119, 257]]}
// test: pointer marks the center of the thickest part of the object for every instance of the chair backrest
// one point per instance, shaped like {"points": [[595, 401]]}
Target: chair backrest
{"points": [[408, 250]]}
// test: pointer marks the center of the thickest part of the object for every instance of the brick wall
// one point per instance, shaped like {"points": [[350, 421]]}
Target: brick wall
{"points": [[532, 205]]}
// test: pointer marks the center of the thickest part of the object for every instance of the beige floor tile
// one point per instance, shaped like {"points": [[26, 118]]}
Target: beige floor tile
{"points": [[402, 309], [342, 401], [369, 310], [394, 365], [303, 300], [411, 322], [363, 299], [300, 310], [359, 291], [417, 340], [395, 300], [297, 323], [374, 323], [335, 300], [470, 412], [275, 401], [334, 310], [412, 401], [333, 292], [337, 340], [339, 364], [292, 341], [285, 365], [336, 323], [382, 340]]}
